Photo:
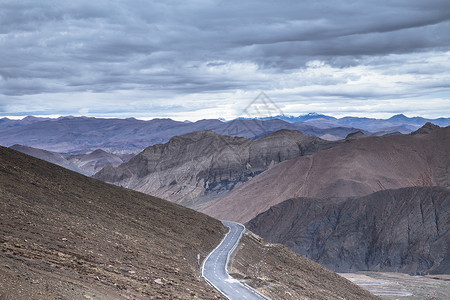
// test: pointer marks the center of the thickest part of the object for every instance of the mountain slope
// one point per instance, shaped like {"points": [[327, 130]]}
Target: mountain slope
{"points": [[67, 236], [203, 165], [94, 238], [355, 168], [405, 230], [282, 274]]}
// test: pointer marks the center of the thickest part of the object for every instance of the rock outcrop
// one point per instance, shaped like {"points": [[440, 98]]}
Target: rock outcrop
{"points": [[405, 230], [199, 166], [425, 129], [355, 168]]}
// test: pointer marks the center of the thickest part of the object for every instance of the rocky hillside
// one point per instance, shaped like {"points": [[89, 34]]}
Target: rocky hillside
{"points": [[405, 230], [282, 274], [356, 168], [87, 164], [196, 167], [67, 236]]}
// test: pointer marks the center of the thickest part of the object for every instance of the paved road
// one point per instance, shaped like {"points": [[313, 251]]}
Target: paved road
{"points": [[214, 267]]}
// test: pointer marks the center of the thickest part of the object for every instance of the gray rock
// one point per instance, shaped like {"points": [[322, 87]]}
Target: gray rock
{"points": [[405, 230]]}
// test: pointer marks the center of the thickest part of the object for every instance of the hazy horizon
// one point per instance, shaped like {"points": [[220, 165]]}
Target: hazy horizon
{"points": [[194, 120]]}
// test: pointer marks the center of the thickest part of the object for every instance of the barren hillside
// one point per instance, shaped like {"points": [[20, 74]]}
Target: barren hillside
{"points": [[355, 168], [405, 230], [67, 236], [200, 166]]}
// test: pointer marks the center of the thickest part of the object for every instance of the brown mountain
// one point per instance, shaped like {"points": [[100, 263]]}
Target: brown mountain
{"points": [[404, 230], [355, 168], [87, 164], [67, 236], [204, 165]]}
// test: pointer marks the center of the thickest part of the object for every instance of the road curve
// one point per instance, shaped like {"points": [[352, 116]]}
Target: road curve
{"points": [[214, 268]]}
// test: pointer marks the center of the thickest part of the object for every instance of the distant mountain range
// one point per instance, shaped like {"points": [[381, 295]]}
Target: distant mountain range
{"points": [[120, 136], [363, 123]]}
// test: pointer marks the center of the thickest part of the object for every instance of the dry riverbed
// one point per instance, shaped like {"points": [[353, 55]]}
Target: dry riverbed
{"points": [[402, 286]]}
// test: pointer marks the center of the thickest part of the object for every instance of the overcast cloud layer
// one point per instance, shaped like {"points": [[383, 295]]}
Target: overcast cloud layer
{"points": [[204, 59]]}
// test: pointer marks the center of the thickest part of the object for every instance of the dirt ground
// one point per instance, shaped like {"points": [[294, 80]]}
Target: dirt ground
{"points": [[279, 273], [388, 285], [67, 236]]}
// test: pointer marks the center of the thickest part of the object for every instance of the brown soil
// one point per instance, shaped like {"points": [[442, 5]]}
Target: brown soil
{"points": [[67, 236], [279, 273]]}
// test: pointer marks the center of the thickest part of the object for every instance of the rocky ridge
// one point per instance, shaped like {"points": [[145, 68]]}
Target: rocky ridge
{"points": [[354, 168], [200, 166], [405, 230]]}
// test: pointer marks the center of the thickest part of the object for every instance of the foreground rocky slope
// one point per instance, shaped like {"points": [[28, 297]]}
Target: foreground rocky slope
{"points": [[67, 236], [268, 267], [356, 168], [405, 230], [200, 166]]}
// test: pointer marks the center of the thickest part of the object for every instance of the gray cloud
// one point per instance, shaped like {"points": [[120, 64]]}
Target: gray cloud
{"points": [[152, 51]]}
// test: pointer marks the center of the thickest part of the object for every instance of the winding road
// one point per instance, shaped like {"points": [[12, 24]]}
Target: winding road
{"points": [[214, 268]]}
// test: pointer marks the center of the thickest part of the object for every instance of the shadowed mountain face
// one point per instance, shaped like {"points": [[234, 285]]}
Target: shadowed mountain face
{"points": [[203, 165], [64, 235], [87, 164], [355, 168], [405, 230]]}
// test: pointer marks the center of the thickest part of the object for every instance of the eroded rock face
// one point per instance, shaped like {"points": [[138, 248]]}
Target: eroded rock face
{"points": [[204, 165], [405, 230], [357, 167]]}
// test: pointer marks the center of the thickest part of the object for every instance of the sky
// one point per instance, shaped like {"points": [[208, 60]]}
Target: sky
{"points": [[198, 59]]}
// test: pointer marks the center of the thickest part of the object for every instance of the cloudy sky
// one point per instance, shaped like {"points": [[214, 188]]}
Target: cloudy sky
{"points": [[206, 59]]}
